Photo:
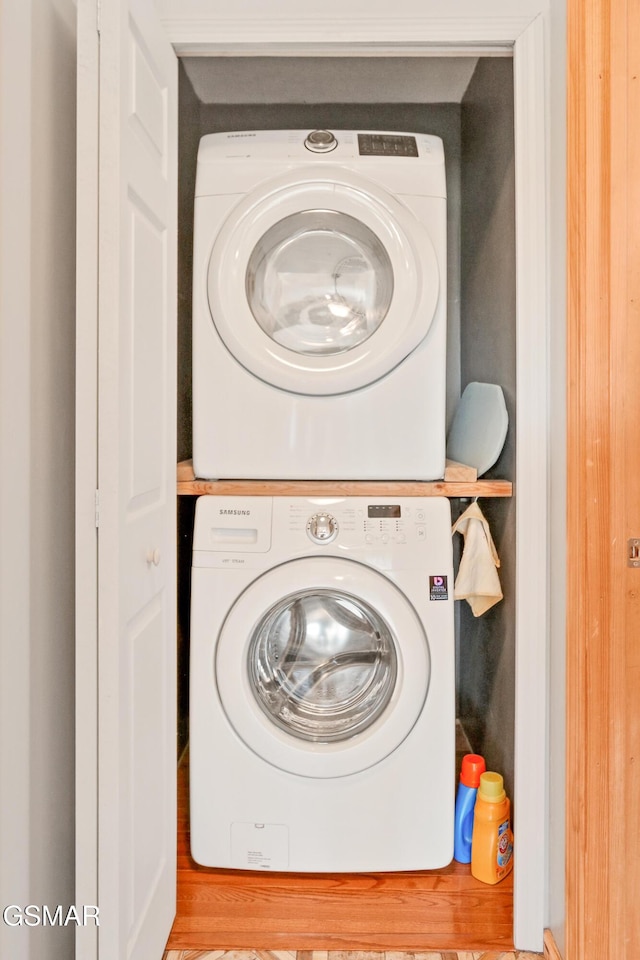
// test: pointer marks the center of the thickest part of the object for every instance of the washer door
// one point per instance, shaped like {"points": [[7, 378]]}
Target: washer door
{"points": [[321, 286], [322, 666]]}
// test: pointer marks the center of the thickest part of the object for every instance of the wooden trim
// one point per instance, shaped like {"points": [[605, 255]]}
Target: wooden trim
{"points": [[185, 472], [188, 485], [551, 951], [589, 455], [455, 472], [603, 596]]}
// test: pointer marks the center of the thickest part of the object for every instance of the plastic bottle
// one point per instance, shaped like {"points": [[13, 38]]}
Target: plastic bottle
{"points": [[472, 766], [492, 842]]}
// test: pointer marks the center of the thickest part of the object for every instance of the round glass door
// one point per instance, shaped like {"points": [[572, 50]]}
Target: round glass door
{"points": [[322, 665], [319, 282], [321, 285]]}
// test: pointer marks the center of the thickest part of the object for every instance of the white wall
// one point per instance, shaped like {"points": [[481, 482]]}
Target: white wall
{"points": [[557, 433], [37, 312]]}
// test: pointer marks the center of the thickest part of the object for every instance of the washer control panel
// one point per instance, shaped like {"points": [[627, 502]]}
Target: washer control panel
{"points": [[386, 523], [256, 532], [360, 523]]}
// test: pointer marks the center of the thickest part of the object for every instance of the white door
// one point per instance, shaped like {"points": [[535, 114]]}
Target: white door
{"points": [[136, 154]]}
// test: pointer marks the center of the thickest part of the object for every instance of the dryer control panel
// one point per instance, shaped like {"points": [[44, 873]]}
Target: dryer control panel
{"points": [[387, 145]]}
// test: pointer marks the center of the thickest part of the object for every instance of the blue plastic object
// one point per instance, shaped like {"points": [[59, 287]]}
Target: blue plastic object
{"points": [[463, 823], [472, 766]]}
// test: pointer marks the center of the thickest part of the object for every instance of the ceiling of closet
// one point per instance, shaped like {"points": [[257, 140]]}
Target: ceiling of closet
{"points": [[329, 79]]}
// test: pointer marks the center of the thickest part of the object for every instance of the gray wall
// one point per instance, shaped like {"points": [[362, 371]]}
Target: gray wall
{"points": [[37, 288], [486, 667], [189, 121]]}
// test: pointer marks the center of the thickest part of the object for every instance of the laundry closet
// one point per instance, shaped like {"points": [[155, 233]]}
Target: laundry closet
{"points": [[127, 663], [468, 102]]}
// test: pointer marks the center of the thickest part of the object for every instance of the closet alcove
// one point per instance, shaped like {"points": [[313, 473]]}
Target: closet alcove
{"points": [[469, 102]]}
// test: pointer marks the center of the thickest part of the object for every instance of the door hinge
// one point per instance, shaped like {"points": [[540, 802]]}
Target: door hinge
{"points": [[97, 507], [633, 553]]}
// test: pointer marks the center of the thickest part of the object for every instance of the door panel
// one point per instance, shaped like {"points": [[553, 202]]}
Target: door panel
{"points": [[136, 445], [284, 222], [146, 338], [603, 664], [321, 577]]}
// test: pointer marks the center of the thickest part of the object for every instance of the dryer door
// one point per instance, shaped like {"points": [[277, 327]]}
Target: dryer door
{"points": [[322, 666], [323, 285]]}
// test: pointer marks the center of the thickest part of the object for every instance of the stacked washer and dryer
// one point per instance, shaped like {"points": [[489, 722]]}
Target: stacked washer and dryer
{"points": [[322, 717]]}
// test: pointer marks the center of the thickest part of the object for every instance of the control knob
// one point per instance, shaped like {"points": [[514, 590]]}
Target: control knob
{"points": [[322, 527], [321, 141]]}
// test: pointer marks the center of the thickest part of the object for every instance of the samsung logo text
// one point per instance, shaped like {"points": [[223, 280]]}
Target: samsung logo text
{"points": [[237, 513]]}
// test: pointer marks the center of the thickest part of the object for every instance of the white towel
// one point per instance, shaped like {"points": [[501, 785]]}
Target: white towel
{"points": [[477, 581]]}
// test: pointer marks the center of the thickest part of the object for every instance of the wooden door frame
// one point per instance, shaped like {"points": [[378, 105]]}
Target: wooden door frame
{"points": [[603, 411]]}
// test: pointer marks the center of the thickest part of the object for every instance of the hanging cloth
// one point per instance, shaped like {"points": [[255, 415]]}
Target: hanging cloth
{"points": [[477, 581]]}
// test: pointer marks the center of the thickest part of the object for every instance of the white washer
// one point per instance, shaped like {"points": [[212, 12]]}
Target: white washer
{"points": [[322, 717], [319, 306]]}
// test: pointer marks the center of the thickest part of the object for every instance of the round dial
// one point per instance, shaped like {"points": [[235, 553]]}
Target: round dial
{"points": [[322, 527], [321, 141]]}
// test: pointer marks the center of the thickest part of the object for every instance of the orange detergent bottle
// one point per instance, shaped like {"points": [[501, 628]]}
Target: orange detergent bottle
{"points": [[492, 840]]}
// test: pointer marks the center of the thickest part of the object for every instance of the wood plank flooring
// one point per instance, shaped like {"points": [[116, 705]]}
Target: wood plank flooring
{"points": [[230, 910], [346, 955]]}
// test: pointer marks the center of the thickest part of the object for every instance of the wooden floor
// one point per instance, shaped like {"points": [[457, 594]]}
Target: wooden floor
{"points": [[440, 910], [349, 955]]}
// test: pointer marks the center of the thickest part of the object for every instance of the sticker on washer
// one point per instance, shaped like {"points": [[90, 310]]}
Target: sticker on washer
{"points": [[438, 588], [260, 846]]}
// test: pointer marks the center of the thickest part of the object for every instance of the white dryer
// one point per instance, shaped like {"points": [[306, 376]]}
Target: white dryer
{"points": [[319, 306], [322, 718]]}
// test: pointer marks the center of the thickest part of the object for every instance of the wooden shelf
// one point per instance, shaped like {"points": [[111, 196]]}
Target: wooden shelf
{"points": [[450, 486]]}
